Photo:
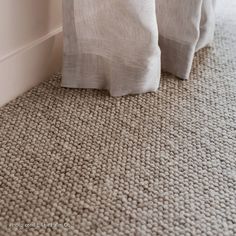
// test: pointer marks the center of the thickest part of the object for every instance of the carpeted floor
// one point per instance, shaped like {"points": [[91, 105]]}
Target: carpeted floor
{"points": [[79, 162]]}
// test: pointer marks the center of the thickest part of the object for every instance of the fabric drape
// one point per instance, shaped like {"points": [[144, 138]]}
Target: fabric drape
{"points": [[122, 45]]}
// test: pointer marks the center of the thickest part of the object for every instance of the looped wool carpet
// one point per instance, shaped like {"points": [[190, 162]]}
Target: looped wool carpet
{"points": [[79, 162]]}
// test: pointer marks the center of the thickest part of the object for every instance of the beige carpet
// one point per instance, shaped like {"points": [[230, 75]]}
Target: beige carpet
{"points": [[79, 162]]}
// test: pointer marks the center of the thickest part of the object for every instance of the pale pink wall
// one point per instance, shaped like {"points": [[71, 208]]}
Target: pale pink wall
{"points": [[30, 44], [26, 20]]}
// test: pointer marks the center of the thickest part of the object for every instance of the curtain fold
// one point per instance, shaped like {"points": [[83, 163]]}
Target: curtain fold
{"points": [[122, 46]]}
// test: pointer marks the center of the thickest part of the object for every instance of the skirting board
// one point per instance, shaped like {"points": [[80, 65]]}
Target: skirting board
{"points": [[26, 67]]}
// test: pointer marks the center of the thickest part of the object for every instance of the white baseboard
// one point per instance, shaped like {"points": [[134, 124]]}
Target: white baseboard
{"points": [[29, 65]]}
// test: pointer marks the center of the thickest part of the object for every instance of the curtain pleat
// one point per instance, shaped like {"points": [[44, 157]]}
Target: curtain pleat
{"points": [[122, 45]]}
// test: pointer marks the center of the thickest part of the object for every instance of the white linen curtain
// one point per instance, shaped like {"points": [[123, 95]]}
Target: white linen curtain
{"points": [[122, 45]]}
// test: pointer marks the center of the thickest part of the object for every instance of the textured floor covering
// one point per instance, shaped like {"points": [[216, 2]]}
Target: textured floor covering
{"points": [[156, 164]]}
